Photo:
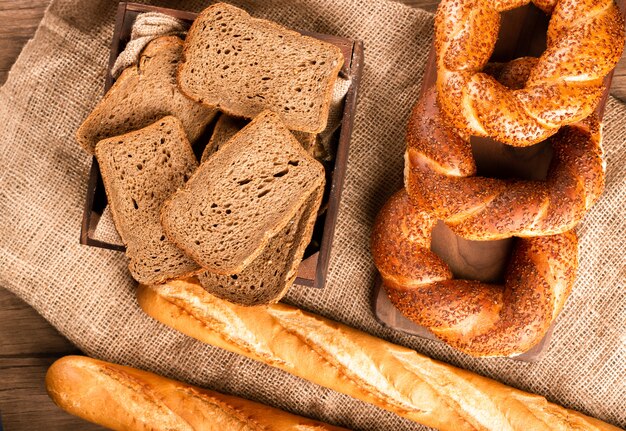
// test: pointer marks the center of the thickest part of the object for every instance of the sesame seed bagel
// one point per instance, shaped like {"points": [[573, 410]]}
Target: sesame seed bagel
{"points": [[477, 318], [585, 40], [440, 174]]}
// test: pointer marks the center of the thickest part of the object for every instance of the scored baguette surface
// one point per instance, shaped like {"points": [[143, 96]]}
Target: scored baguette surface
{"points": [[357, 364], [142, 94], [244, 65], [227, 126], [124, 398], [269, 276], [140, 170], [242, 196]]}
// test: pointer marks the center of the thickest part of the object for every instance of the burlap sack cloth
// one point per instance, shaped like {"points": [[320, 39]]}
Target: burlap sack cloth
{"points": [[88, 295]]}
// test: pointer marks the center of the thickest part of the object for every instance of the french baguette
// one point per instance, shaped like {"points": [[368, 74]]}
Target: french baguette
{"points": [[124, 398], [357, 364]]}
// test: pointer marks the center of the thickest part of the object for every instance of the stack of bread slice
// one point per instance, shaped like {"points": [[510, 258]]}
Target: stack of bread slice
{"points": [[247, 213], [241, 219]]}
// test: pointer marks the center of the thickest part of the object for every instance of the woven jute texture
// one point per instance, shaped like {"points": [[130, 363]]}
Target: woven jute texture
{"points": [[88, 294]]}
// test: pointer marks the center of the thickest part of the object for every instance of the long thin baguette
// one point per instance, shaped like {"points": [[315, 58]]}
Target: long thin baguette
{"points": [[357, 364], [124, 398]]}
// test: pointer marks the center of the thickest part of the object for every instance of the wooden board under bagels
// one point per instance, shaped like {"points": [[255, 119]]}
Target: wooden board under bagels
{"points": [[523, 33]]}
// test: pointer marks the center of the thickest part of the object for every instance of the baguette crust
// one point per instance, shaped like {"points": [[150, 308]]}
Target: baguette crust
{"points": [[357, 364], [124, 398]]}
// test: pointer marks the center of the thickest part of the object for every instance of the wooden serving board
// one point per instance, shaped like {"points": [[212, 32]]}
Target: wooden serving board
{"points": [[522, 33]]}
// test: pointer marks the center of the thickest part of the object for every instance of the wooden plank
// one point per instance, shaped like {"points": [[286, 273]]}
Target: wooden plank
{"points": [[26, 333], [28, 345], [24, 404], [19, 21]]}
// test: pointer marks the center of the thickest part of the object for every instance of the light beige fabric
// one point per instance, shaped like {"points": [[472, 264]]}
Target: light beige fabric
{"points": [[89, 296], [147, 26]]}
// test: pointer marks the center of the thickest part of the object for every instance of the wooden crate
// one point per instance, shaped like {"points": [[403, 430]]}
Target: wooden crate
{"points": [[314, 267]]}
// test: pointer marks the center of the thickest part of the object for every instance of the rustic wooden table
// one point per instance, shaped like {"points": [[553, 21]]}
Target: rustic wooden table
{"points": [[28, 344]]}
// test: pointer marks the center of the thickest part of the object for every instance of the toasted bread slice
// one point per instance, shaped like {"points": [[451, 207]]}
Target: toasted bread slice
{"points": [[242, 196], [269, 276], [227, 126]]}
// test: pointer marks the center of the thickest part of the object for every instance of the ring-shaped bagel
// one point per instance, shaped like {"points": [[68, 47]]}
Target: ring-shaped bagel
{"points": [[585, 41], [440, 175], [477, 318]]}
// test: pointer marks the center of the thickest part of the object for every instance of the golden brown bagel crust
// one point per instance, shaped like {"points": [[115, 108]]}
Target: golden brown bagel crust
{"points": [[477, 318], [440, 177], [585, 41], [440, 174]]}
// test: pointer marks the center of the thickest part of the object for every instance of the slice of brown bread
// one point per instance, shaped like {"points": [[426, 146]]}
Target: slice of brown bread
{"points": [[242, 196], [143, 94], [244, 65], [307, 140], [227, 126], [269, 276], [140, 170]]}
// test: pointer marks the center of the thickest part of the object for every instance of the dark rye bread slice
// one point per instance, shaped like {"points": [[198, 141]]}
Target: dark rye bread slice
{"points": [[242, 196], [227, 126], [140, 170], [244, 65], [269, 276], [143, 94]]}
